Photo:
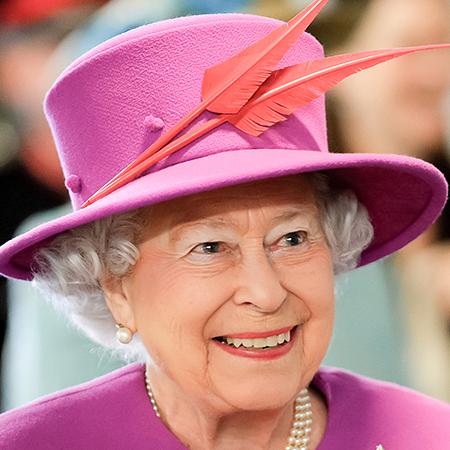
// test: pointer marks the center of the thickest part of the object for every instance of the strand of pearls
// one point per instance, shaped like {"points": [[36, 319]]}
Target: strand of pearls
{"points": [[301, 425], [150, 394]]}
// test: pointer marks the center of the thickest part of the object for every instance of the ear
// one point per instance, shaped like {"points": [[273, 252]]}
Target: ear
{"points": [[118, 300]]}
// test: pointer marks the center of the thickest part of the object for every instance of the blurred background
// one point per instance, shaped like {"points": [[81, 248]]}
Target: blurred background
{"points": [[393, 317]]}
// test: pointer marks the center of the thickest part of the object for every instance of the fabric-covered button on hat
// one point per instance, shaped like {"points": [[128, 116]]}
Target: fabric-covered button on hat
{"points": [[73, 183], [153, 123]]}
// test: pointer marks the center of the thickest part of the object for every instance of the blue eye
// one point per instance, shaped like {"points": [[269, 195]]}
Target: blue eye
{"points": [[295, 238], [209, 247]]}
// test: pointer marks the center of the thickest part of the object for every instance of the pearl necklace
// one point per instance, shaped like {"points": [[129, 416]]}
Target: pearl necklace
{"points": [[301, 424]]}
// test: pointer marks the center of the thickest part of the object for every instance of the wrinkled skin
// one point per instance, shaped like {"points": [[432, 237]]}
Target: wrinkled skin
{"points": [[240, 259]]}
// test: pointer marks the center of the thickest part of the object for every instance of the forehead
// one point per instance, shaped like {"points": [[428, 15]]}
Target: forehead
{"points": [[276, 196]]}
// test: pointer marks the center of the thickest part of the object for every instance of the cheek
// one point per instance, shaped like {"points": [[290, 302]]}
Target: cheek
{"points": [[310, 278], [172, 307], [312, 284]]}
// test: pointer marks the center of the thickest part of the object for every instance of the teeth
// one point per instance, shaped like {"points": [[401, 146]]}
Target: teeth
{"points": [[271, 341], [260, 342]]}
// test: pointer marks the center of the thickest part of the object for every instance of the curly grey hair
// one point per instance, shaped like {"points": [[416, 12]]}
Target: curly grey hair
{"points": [[69, 271]]}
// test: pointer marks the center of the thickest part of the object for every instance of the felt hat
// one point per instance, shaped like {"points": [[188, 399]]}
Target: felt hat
{"points": [[114, 102]]}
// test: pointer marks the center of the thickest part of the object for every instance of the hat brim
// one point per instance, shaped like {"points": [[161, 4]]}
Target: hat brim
{"points": [[403, 195]]}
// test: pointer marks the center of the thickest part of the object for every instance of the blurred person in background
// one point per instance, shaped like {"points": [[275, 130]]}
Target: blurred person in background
{"points": [[30, 177], [30, 319]]}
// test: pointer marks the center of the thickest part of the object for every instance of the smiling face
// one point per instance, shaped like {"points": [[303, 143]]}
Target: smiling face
{"points": [[236, 261]]}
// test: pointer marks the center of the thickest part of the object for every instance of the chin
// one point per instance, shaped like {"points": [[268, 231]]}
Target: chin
{"points": [[256, 383], [261, 393]]}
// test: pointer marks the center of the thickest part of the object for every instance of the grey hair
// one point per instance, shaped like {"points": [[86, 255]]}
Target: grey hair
{"points": [[69, 270], [345, 222]]}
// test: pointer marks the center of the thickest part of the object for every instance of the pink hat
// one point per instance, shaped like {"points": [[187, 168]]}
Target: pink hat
{"points": [[115, 101]]}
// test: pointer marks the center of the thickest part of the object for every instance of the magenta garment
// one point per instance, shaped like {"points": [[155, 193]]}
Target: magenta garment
{"points": [[114, 412]]}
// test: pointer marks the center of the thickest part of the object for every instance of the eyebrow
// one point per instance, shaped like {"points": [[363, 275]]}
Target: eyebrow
{"points": [[215, 223], [210, 222], [294, 213], [221, 223]]}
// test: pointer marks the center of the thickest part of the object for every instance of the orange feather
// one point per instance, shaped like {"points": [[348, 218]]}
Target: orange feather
{"points": [[229, 85], [292, 87], [286, 90]]}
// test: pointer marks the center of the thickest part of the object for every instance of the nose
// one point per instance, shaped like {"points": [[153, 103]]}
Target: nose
{"points": [[258, 284]]}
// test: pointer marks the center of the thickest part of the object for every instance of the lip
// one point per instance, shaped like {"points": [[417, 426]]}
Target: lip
{"points": [[263, 334], [268, 354]]}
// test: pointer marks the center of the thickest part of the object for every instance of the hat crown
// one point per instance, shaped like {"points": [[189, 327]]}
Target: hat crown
{"points": [[136, 86]]}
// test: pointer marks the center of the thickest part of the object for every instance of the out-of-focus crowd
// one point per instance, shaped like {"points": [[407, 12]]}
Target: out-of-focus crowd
{"points": [[399, 307]]}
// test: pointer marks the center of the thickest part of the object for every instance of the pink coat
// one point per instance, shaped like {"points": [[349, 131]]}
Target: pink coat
{"points": [[114, 412]]}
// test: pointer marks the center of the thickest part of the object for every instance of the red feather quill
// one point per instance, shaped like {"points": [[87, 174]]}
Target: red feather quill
{"points": [[292, 87], [229, 85], [285, 91]]}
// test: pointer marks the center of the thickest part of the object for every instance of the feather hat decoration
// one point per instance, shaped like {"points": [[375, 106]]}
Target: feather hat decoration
{"points": [[256, 98], [292, 87], [284, 91]]}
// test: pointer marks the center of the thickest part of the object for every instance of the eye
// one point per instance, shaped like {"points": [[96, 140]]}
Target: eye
{"points": [[208, 247], [293, 239]]}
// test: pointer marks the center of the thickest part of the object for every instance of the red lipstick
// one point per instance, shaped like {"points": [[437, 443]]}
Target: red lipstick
{"points": [[262, 354], [263, 334]]}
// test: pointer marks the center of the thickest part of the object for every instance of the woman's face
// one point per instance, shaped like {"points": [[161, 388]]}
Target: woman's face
{"points": [[240, 260]]}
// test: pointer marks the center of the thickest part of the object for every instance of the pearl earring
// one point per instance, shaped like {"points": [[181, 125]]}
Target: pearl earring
{"points": [[123, 334]]}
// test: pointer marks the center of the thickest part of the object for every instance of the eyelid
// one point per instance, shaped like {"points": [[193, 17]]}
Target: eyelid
{"points": [[302, 233], [204, 243], [275, 236]]}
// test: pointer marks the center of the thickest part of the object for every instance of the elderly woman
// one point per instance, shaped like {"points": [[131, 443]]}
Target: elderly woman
{"points": [[204, 243]]}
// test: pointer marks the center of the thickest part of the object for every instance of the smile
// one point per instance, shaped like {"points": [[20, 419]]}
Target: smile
{"points": [[269, 347]]}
